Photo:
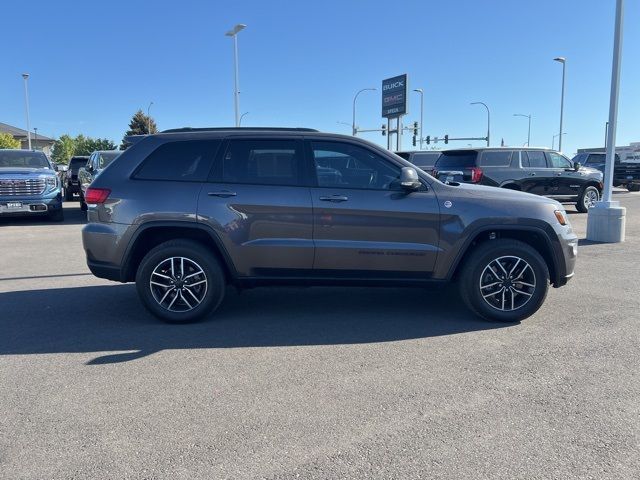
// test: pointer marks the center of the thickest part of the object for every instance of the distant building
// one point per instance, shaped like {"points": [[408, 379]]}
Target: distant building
{"points": [[628, 153], [39, 142]]}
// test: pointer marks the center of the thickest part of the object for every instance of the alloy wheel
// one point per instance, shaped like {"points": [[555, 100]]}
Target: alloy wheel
{"points": [[507, 283], [178, 284]]}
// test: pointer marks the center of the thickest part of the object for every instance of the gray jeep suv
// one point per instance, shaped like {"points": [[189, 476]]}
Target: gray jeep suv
{"points": [[186, 212]]}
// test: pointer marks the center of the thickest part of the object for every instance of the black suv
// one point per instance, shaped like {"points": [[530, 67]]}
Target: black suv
{"points": [[625, 174], [534, 170], [425, 160], [71, 183], [185, 212]]}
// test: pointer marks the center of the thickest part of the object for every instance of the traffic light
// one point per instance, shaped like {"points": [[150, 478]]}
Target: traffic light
{"points": [[414, 140], [446, 139], [428, 139], [384, 130], [415, 128]]}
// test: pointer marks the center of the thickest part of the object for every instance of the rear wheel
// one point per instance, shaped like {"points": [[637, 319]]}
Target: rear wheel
{"points": [[504, 280], [587, 199], [633, 187], [68, 195], [83, 204], [179, 281]]}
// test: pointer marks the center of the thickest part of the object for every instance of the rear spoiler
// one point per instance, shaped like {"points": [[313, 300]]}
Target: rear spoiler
{"points": [[133, 139]]}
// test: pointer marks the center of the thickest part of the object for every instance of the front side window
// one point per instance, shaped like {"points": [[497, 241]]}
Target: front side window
{"points": [[263, 162], [186, 161], [498, 158], [558, 161], [533, 159], [344, 165]]}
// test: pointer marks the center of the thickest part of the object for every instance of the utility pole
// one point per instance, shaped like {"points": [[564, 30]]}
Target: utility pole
{"points": [[26, 103], [236, 93]]}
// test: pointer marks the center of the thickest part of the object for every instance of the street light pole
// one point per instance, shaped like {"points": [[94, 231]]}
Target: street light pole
{"points": [[26, 103], [35, 131], [421, 92], [553, 140], [488, 120], [236, 94], [149, 119], [353, 122], [241, 117], [529, 131], [563, 61]]}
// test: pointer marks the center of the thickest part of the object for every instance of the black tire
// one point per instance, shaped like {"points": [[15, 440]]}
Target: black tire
{"points": [[633, 187], [57, 215], [585, 197], [83, 204], [477, 269], [194, 254], [68, 196]]}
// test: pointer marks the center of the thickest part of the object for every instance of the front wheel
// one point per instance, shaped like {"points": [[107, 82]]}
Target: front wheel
{"points": [[179, 281], [504, 280], [587, 199]]}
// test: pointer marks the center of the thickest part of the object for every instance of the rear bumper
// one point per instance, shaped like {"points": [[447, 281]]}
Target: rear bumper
{"points": [[105, 270]]}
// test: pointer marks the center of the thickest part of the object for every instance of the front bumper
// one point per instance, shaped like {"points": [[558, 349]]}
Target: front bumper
{"points": [[566, 252], [32, 205]]}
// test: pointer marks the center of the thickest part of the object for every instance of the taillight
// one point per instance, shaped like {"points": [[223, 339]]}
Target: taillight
{"points": [[96, 195], [476, 175]]}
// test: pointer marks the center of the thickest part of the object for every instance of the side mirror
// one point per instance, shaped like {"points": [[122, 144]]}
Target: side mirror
{"points": [[409, 179], [576, 166]]}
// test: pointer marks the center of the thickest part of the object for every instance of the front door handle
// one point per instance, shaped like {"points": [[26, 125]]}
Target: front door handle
{"points": [[559, 174], [334, 198], [222, 194], [532, 174]]}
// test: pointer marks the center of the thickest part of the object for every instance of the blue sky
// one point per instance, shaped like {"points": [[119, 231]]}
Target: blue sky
{"points": [[301, 62]]}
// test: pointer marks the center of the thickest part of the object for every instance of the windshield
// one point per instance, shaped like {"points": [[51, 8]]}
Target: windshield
{"points": [[23, 159], [460, 159], [424, 160]]}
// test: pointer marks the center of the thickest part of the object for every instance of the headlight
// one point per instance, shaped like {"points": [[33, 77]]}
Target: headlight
{"points": [[561, 216], [51, 182]]}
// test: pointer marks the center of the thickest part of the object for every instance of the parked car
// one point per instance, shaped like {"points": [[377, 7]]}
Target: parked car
{"points": [[185, 212], [71, 184], [96, 163], [29, 185], [534, 170], [625, 174], [421, 159]]}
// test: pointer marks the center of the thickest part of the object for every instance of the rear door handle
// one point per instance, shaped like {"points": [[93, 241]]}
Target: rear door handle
{"points": [[222, 194], [559, 174], [334, 198]]}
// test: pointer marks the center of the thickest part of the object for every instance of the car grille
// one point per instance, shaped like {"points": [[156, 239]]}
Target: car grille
{"points": [[14, 188]]}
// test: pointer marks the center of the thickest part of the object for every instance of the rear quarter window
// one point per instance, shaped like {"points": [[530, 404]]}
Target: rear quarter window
{"points": [[186, 161], [496, 159]]}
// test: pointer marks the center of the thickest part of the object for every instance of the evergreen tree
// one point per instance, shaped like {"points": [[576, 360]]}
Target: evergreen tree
{"points": [[140, 124]]}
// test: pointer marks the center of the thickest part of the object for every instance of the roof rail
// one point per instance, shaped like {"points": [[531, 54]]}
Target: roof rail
{"points": [[219, 129]]}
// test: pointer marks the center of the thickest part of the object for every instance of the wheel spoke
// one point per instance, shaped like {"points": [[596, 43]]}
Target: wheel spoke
{"points": [[165, 295], [500, 265], [161, 275], [193, 274], [524, 293], [503, 292], [175, 297], [191, 293], [160, 284], [185, 300], [514, 267], [181, 267], [483, 287], [526, 284], [493, 293]]}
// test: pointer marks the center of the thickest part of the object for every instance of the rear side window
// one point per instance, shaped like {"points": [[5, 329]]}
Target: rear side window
{"points": [[461, 159], [425, 160], [533, 159], [496, 159], [263, 162], [186, 161]]}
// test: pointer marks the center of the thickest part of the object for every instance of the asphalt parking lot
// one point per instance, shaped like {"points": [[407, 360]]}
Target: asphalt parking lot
{"points": [[314, 382]]}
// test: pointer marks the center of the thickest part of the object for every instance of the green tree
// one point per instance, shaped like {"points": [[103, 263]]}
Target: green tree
{"points": [[140, 124], [63, 149], [88, 145], [7, 141]]}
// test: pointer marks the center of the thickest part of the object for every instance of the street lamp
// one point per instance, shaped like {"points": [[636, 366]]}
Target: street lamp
{"points": [[26, 103], [529, 131], [353, 123], [488, 119], [35, 131], [234, 34], [553, 140], [241, 117], [563, 61], [421, 92], [149, 119]]}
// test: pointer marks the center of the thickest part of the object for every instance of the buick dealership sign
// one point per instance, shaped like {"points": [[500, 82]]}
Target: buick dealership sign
{"points": [[394, 96]]}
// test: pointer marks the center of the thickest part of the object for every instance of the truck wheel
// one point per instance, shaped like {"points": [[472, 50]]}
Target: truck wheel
{"points": [[179, 281], [68, 196], [633, 187], [587, 199], [83, 204], [57, 215], [504, 280]]}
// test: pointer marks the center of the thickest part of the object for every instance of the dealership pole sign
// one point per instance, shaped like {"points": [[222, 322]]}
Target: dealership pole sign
{"points": [[394, 96]]}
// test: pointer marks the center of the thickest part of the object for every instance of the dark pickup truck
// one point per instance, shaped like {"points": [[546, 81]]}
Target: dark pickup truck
{"points": [[625, 174]]}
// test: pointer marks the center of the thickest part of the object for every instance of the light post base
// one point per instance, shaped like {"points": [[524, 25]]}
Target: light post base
{"points": [[606, 222]]}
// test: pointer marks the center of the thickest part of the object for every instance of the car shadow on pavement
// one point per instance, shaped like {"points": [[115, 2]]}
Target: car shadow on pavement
{"points": [[111, 320], [72, 216]]}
